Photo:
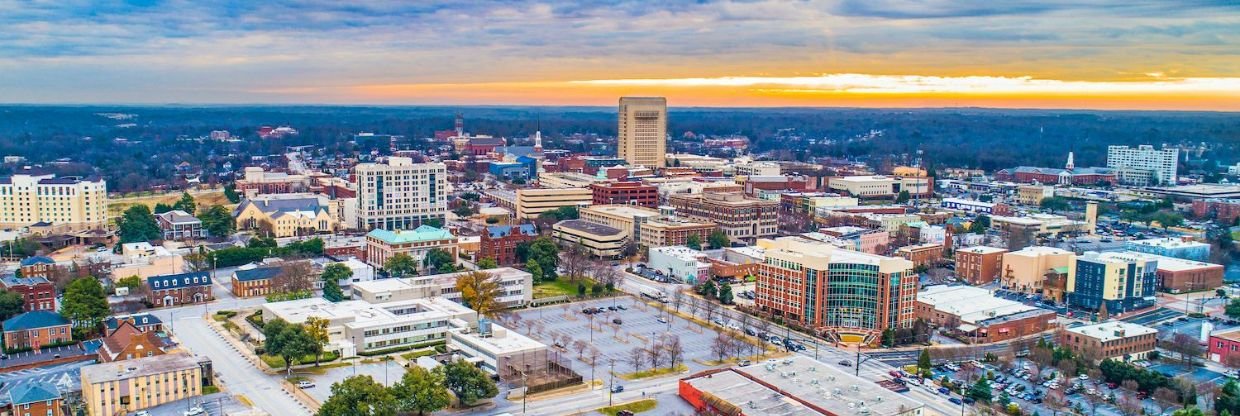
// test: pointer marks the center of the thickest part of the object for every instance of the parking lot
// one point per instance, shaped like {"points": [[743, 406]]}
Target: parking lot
{"points": [[567, 329]]}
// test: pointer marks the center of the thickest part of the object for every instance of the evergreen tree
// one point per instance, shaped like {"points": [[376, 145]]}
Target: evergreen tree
{"points": [[725, 294], [85, 303], [923, 360], [468, 382], [359, 396], [421, 391], [186, 203], [332, 275], [137, 225], [693, 242], [718, 239]]}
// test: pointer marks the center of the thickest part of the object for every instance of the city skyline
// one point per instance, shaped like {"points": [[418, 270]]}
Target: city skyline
{"points": [[1024, 54]]}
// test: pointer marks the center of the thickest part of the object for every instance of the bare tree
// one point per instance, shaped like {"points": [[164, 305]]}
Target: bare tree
{"points": [[1067, 368], [693, 304], [1129, 404], [294, 276], [580, 346], [1056, 400], [1165, 398], [637, 356], [575, 260], [710, 308], [655, 354], [1186, 346], [675, 350], [678, 298], [721, 346], [737, 342]]}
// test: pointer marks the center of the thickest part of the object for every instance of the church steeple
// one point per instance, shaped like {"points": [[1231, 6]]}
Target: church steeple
{"points": [[1070, 165], [538, 137]]}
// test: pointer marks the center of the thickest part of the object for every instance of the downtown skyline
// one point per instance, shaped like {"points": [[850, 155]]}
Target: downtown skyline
{"points": [[1020, 54]]}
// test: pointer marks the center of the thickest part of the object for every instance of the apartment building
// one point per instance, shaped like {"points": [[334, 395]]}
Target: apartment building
{"points": [[1144, 166], [854, 295], [1112, 339], [642, 131], [32, 397], [979, 265], [37, 329], [599, 240], [922, 255], [400, 194], [256, 281], [517, 286], [1033, 194], [1025, 270], [141, 383], [67, 203], [179, 289], [38, 293], [743, 219], [648, 227], [382, 244], [1123, 281]]}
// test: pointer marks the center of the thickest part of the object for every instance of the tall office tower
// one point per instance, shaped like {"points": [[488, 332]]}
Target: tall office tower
{"points": [[1144, 166], [67, 204], [400, 194], [642, 132]]}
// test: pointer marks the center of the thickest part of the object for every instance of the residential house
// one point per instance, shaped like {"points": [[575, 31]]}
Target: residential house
{"points": [[37, 329], [38, 266], [254, 282], [180, 225], [145, 322], [128, 342], [38, 293], [179, 289], [33, 397]]}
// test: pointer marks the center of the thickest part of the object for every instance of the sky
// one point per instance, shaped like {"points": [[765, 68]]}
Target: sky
{"points": [[1093, 54]]}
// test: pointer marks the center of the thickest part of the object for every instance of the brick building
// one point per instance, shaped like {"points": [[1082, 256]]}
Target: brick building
{"points": [[1112, 339], [37, 266], [38, 293], [247, 283], [499, 242], [1224, 346], [33, 397], [1222, 210], [128, 342], [625, 193], [37, 329], [976, 315], [145, 322], [178, 289], [921, 255], [1179, 275], [743, 219], [979, 265]]}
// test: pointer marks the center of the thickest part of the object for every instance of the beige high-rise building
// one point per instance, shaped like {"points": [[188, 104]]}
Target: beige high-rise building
{"points": [[642, 134], [400, 194], [67, 204]]}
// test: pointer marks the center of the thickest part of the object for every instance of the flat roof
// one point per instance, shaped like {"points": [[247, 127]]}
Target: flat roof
{"points": [[624, 210], [1166, 242], [1113, 330], [1034, 251], [982, 250], [973, 304], [1173, 264], [800, 385], [589, 227], [138, 367], [501, 341]]}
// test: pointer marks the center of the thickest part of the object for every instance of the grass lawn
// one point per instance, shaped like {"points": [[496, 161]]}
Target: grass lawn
{"points": [[412, 356], [1235, 235], [210, 389], [116, 206], [635, 407], [556, 288], [661, 371], [277, 362]]}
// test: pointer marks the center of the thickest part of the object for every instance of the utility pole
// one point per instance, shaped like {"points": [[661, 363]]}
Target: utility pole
{"points": [[611, 391]]}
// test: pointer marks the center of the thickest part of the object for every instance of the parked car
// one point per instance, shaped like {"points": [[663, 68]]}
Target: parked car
{"points": [[846, 363], [954, 400], [195, 411], [304, 384], [944, 390], [617, 389], [662, 320], [617, 321]]}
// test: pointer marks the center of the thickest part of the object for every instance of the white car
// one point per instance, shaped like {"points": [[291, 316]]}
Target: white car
{"points": [[195, 411], [304, 384]]}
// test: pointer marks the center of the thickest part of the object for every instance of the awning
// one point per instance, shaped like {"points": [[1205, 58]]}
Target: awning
{"points": [[967, 327]]}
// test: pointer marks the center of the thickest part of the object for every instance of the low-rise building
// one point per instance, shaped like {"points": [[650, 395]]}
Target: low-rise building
{"points": [[567, 180], [1025, 270], [979, 316], [625, 193], [881, 187], [179, 289], [795, 386], [979, 265], [35, 330], [532, 202], [180, 225], [499, 242], [517, 287], [256, 281], [1224, 346], [498, 350], [286, 215], [145, 322], [1220, 209], [142, 383], [127, 342], [357, 326], [741, 218], [967, 205], [599, 240], [33, 397], [680, 263], [1180, 248], [1111, 339], [37, 266], [648, 227], [1033, 194], [922, 255], [1179, 275], [383, 244], [38, 293]]}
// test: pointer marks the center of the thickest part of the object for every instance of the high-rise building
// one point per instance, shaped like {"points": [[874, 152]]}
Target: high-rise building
{"points": [[400, 194], [1144, 166], [71, 203], [1123, 281], [642, 133], [850, 294]]}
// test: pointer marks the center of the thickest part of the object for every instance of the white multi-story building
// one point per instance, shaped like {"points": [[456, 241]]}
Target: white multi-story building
{"points": [[400, 194], [680, 263], [1144, 166], [357, 326], [517, 286], [68, 203]]}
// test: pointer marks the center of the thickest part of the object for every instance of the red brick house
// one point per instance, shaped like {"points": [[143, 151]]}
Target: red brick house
{"points": [[500, 242], [35, 398], [38, 293], [37, 329], [1225, 347], [127, 342], [179, 289]]}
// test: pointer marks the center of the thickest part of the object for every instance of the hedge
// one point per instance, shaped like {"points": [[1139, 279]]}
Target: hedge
{"points": [[401, 349]]}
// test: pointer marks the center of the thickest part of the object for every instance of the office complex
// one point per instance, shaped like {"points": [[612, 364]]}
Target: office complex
{"points": [[141, 383], [642, 131], [598, 240], [1144, 166], [1113, 339], [742, 218], [648, 227], [67, 204], [400, 194], [850, 294], [1123, 281], [979, 315], [416, 243]]}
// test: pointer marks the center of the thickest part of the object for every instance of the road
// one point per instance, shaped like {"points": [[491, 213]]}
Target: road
{"points": [[188, 325]]}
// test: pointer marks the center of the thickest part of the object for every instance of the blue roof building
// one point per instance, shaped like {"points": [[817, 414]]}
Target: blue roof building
{"points": [[34, 320], [33, 260], [33, 391]]}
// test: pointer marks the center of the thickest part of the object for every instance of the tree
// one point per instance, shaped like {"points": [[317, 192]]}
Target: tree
{"points": [[636, 358], [316, 330], [137, 224], [421, 391], [287, 341], [725, 294], [1054, 203], [709, 290], [294, 277], [979, 224], [981, 390], [132, 282], [440, 260], [675, 350], [230, 192], [534, 269], [547, 254], [903, 197], [480, 291], [581, 289], [400, 264], [186, 203], [575, 260], [467, 382], [85, 304], [218, 221], [1233, 308], [718, 239], [694, 242], [359, 396], [720, 346], [10, 304], [161, 208], [923, 360], [487, 263], [332, 275], [1228, 398]]}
